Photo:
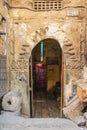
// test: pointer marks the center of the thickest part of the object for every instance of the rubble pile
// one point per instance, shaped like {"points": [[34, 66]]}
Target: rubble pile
{"points": [[81, 120]]}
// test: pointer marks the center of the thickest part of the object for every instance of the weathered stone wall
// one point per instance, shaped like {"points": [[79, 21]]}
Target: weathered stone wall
{"points": [[3, 43], [27, 27]]}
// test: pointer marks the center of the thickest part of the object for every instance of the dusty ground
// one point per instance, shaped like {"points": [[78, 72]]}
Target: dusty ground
{"points": [[8, 121]]}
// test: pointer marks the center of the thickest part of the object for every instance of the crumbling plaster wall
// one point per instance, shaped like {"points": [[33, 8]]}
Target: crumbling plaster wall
{"points": [[27, 27], [4, 17], [3, 10]]}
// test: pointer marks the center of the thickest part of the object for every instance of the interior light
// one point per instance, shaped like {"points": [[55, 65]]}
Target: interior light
{"points": [[41, 51]]}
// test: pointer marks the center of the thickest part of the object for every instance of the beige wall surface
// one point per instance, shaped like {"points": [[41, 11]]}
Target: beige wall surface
{"points": [[26, 27]]}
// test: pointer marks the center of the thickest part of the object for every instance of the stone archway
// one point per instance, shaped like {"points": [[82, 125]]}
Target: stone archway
{"points": [[44, 34], [20, 68], [24, 53], [46, 79]]}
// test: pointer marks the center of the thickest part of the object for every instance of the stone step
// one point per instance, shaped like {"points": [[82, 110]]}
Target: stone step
{"points": [[9, 121]]}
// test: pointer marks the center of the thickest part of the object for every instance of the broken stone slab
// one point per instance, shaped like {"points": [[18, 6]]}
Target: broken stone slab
{"points": [[80, 121], [12, 101], [85, 115], [71, 110]]}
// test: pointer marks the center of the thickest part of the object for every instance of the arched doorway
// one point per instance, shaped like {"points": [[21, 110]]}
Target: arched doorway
{"points": [[45, 79]]}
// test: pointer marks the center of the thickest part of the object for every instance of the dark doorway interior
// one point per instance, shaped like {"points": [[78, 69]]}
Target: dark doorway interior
{"points": [[45, 79]]}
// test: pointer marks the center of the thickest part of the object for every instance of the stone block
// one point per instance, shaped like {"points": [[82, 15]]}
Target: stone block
{"points": [[12, 101], [80, 121], [85, 115]]}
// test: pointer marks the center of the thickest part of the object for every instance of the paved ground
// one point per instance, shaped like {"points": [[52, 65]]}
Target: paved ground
{"points": [[10, 122]]}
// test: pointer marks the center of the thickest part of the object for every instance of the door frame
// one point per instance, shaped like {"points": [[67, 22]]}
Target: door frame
{"points": [[31, 87], [31, 84]]}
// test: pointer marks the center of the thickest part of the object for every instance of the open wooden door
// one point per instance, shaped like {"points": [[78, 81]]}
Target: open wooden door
{"points": [[62, 83], [31, 86]]}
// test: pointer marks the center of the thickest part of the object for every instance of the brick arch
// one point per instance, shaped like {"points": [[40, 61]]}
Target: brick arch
{"points": [[44, 33], [66, 44], [39, 35], [31, 41]]}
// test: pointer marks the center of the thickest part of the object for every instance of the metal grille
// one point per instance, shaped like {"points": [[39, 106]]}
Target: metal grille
{"points": [[3, 74], [47, 5]]}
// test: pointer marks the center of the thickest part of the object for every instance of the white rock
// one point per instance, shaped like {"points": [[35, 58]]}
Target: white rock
{"points": [[85, 115], [80, 121], [12, 101]]}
